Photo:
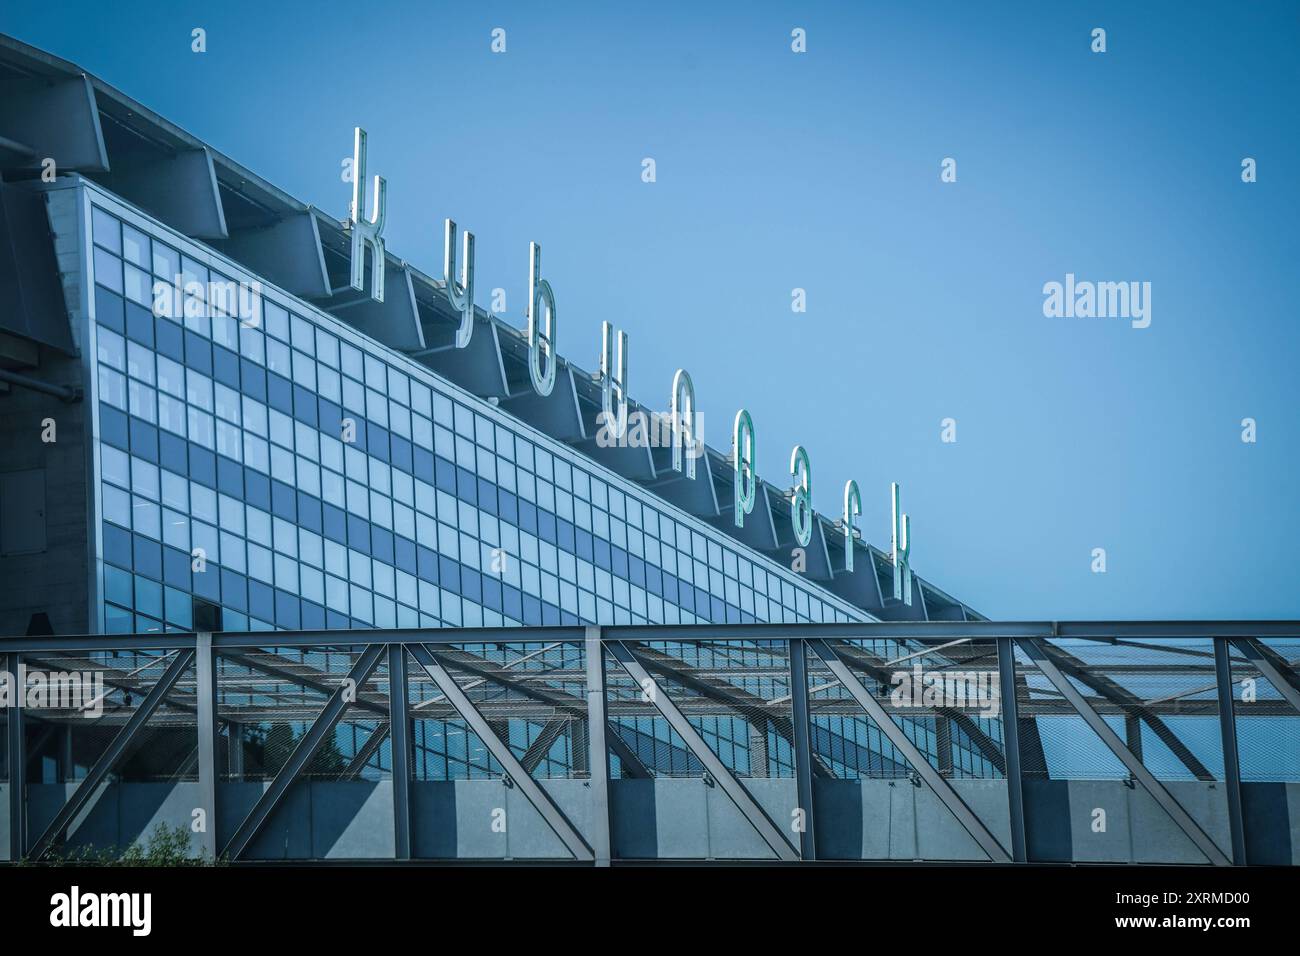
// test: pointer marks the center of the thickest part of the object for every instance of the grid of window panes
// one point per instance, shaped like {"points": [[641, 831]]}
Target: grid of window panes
{"points": [[326, 487], [294, 475]]}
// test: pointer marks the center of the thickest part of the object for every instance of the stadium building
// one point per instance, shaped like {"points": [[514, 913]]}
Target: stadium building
{"points": [[303, 553]]}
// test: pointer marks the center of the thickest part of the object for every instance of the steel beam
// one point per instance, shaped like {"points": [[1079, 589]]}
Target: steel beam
{"points": [[1040, 656], [924, 769], [399, 726], [919, 631], [748, 807], [1260, 657], [98, 774], [629, 759], [539, 798], [311, 741], [17, 766], [1011, 748], [205, 668], [1231, 763], [366, 751], [543, 742], [1184, 629], [803, 750], [943, 742], [598, 758]]}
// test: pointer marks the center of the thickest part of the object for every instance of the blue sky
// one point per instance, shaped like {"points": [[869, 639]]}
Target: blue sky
{"points": [[820, 170]]}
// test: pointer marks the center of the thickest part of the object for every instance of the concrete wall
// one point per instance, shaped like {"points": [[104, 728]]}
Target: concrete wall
{"points": [[123, 814], [897, 820], [686, 819]]}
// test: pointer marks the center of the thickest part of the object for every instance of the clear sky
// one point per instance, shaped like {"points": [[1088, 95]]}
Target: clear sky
{"points": [[821, 171]]}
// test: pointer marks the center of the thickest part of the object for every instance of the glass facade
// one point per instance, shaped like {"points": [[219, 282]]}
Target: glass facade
{"points": [[285, 469]]}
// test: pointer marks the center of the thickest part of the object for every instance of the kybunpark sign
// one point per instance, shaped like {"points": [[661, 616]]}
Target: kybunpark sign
{"points": [[678, 429]]}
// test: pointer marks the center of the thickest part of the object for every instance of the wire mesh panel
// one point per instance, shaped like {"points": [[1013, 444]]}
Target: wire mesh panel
{"points": [[871, 801], [1160, 701], [944, 696], [81, 715], [1268, 727], [77, 703], [736, 694], [642, 743], [360, 747], [533, 696], [268, 698]]}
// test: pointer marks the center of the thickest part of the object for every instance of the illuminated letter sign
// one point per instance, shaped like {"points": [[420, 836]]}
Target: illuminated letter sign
{"points": [[801, 496], [742, 459], [852, 508], [613, 378], [683, 421], [901, 538], [541, 337], [460, 295], [366, 232]]}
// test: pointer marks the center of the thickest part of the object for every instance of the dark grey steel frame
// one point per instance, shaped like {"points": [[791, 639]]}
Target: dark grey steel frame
{"points": [[619, 643]]}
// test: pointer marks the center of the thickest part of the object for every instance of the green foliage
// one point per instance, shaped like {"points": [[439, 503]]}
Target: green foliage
{"points": [[166, 846]]}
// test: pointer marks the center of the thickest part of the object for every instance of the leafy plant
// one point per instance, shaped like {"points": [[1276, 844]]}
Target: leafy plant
{"points": [[166, 846]]}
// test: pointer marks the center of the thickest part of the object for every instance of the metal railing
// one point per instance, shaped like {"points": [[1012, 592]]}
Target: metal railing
{"points": [[1173, 709]]}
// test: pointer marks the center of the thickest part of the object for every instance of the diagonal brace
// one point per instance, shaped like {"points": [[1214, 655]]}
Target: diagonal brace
{"points": [[924, 769], [539, 798], [748, 807], [1040, 656], [302, 754], [1265, 662], [91, 784]]}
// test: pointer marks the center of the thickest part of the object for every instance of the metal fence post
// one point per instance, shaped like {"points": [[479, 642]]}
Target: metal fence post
{"points": [[1231, 763], [399, 724], [205, 665], [598, 758], [17, 765], [802, 734], [1011, 748]]}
